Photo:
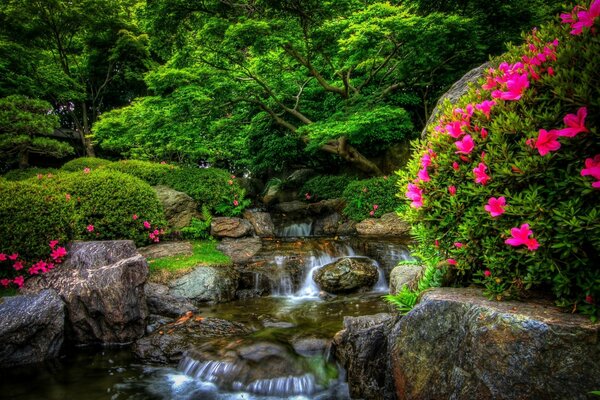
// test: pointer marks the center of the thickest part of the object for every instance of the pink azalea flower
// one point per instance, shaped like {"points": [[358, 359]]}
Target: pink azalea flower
{"points": [[307, 196], [436, 243], [53, 243], [2, 257], [58, 253], [465, 146], [592, 168], [86, 170], [484, 133], [230, 182], [480, 175], [236, 203], [454, 129], [18, 265], [385, 177], [495, 206], [371, 213], [163, 162], [40, 176], [486, 107], [487, 273], [455, 166], [575, 123], [589, 299], [67, 196], [5, 282], [516, 85], [13, 256], [375, 207], [451, 261], [547, 142], [520, 236], [147, 225], [423, 175], [19, 280], [586, 18], [426, 160], [134, 217], [458, 244], [90, 228], [415, 194], [452, 190], [232, 176]]}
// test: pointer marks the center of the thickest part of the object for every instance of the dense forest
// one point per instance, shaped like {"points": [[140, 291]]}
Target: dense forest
{"points": [[258, 86]]}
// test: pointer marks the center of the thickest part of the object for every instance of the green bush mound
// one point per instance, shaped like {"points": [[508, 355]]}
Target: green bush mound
{"points": [[27, 173], [371, 198], [323, 187], [508, 193], [79, 164], [31, 215], [151, 172]]}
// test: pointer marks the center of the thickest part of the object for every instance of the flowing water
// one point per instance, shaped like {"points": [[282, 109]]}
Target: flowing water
{"points": [[286, 357]]}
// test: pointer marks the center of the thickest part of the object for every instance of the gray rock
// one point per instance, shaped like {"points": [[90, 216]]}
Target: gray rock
{"points": [[206, 284], [167, 249], [347, 228], [160, 302], [31, 328], [482, 349], [295, 206], [230, 227], [407, 274], [179, 207], [169, 342], [456, 91], [261, 222], [362, 349], [102, 284], [327, 225], [346, 275], [240, 250], [309, 347], [388, 225], [300, 176], [328, 206]]}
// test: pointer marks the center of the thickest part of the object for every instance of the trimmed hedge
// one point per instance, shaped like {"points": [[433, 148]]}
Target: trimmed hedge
{"points": [[150, 172], [79, 164], [323, 187], [27, 173], [376, 195]]}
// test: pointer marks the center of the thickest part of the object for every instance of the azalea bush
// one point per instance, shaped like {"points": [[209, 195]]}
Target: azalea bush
{"points": [[27, 173], [323, 187], [506, 186], [151, 172], [79, 164], [370, 198]]}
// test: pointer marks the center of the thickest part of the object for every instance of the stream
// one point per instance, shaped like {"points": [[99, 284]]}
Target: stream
{"points": [[287, 355]]}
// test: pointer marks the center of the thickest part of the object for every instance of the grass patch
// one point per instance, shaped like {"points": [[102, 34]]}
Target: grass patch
{"points": [[205, 253]]}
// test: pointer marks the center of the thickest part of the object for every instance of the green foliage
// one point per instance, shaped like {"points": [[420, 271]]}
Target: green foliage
{"points": [[79, 164], [407, 297], [108, 200], [377, 195], [24, 126], [31, 215], [151, 172], [546, 192], [27, 173], [198, 228], [323, 187]]}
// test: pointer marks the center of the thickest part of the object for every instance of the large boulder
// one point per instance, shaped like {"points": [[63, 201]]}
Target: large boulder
{"points": [[291, 207], [405, 275], [31, 328], [388, 225], [362, 349], [327, 225], [456, 344], [167, 249], [102, 284], [206, 284], [230, 227], [179, 207], [346, 275], [240, 250], [160, 302], [261, 222]]}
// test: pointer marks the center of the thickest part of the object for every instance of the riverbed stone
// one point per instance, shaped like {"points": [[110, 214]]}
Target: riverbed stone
{"points": [[456, 344], [388, 225], [31, 328], [405, 275], [160, 302], [362, 349], [169, 342], [167, 249], [240, 250], [221, 227], [179, 207], [291, 207], [327, 225], [261, 222], [327, 206], [346, 275], [206, 284], [102, 285]]}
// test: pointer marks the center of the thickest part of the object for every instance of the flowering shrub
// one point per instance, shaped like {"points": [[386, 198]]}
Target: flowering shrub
{"points": [[78, 164], [14, 269], [22, 174], [151, 172], [371, 198], [505, 187], [31, 215], [323, 187]]}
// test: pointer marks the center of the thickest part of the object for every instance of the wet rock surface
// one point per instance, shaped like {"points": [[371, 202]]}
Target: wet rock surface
{"points": [[102, 285], [206, 284], [388, 225], [160, 302], [240, 250], [346, 275], [405, 274], [167, 249], [483, 349], [221, 227], [179, 207], [261, 222], [31, 328]]}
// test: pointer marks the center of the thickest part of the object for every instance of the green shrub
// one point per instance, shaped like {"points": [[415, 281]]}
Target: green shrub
{"points": [[22, 174], [151, 172], [31, 215], [376, 195], [323, 187], [107, 201], [79, 164], [544, 186], [198, 228]]}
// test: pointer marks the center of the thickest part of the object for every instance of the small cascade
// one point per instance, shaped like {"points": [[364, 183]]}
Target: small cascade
{"points": [[296, 230], [381, 285], [284, 386], [211, 371], [282, 285]]}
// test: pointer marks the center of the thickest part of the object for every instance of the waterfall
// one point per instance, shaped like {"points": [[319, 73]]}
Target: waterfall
{"points": [[296, 230], [282, 285], [284, 386]]}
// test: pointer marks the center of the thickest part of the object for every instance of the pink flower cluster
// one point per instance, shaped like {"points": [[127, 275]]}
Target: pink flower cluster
{"points": [[57, 256], [581, 18], [372, 212], [547, 141], [155, 234]]}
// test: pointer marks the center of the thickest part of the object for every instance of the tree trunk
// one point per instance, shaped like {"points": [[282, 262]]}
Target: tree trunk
{"points": [[24, 159], [85, 139], [345, 150]]}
